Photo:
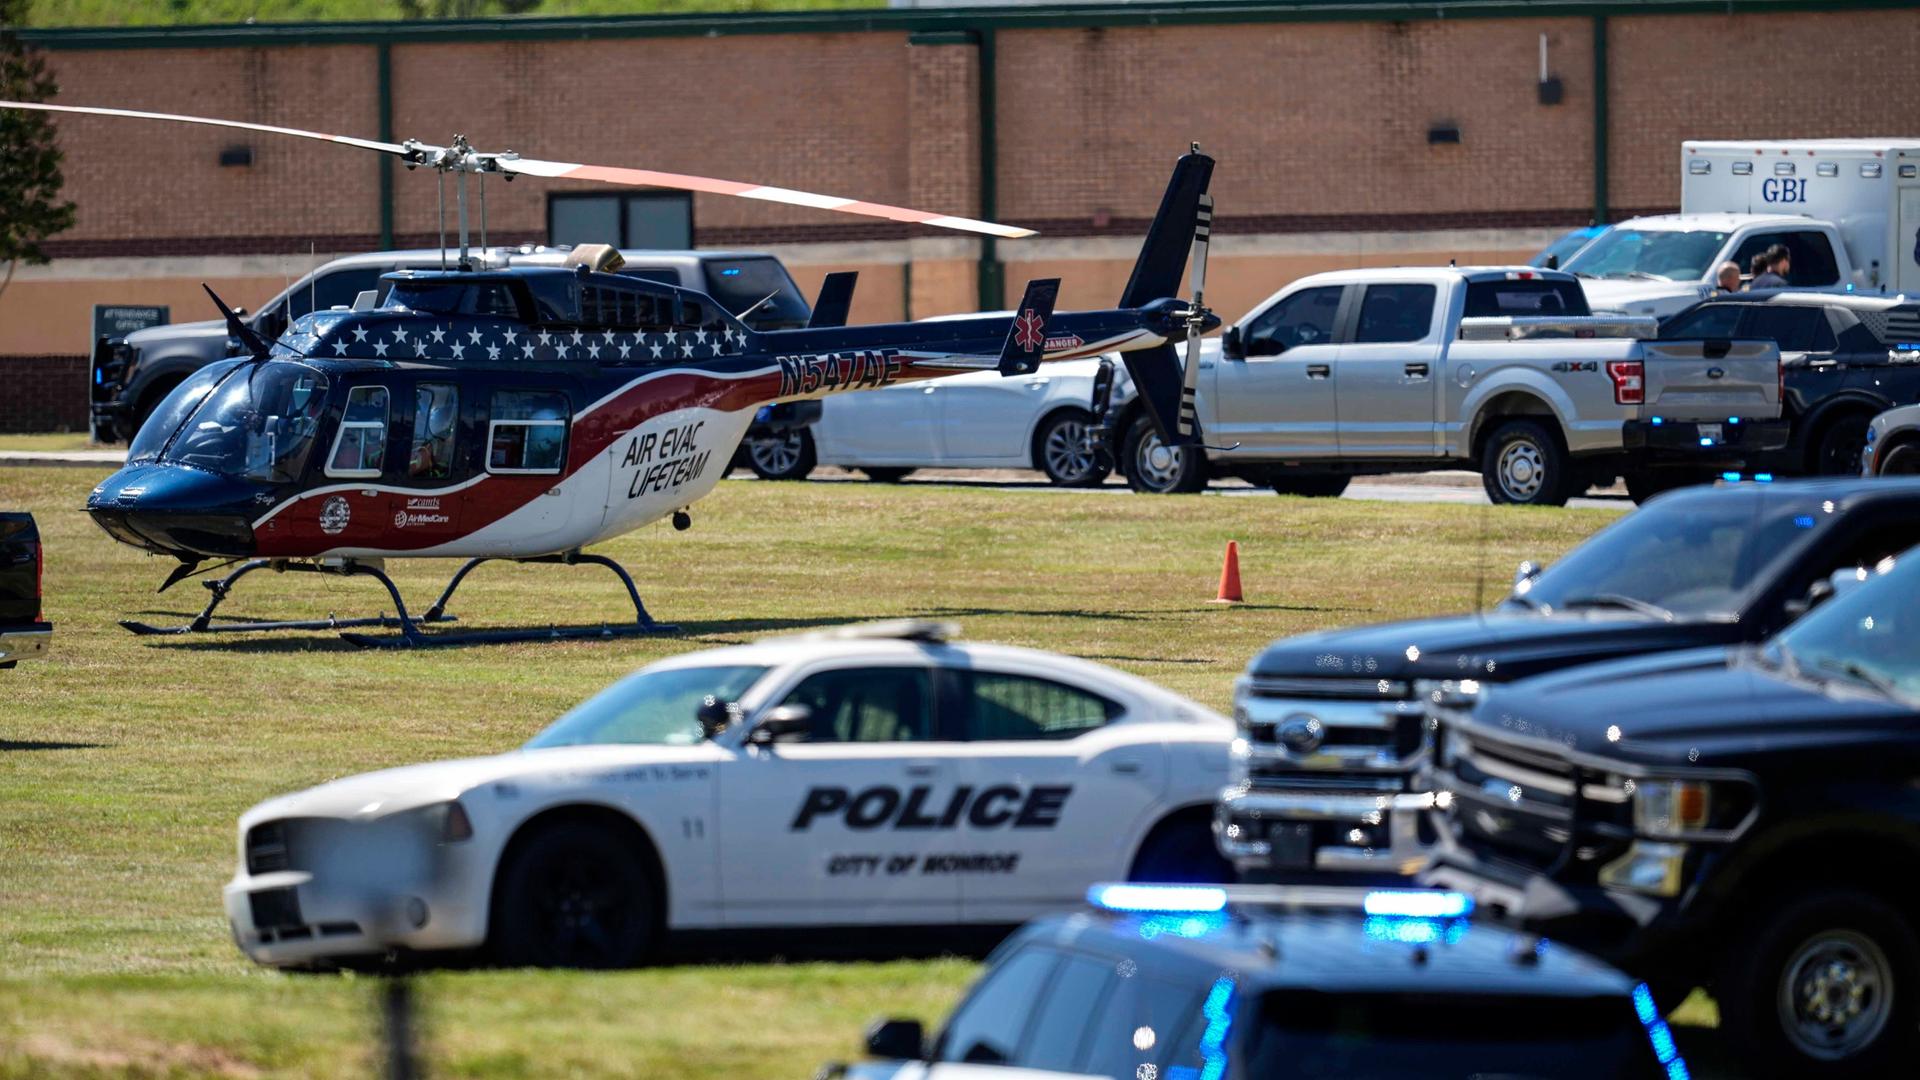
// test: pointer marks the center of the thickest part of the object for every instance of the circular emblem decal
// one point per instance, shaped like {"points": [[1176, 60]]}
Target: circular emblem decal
{"points": [[1300, 733], [334, 515], [399, 519]]}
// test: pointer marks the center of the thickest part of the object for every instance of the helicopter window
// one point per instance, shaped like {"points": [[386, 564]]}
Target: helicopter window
{"points": [[259, 424], [436, 413], [528, 433], [360, 447], [174, 408]]}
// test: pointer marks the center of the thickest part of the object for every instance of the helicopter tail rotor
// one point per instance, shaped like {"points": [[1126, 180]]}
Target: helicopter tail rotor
{"points": [[1181, 228]]}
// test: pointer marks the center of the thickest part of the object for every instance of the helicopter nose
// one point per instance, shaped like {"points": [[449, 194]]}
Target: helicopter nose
{"points": [[176, 511]]}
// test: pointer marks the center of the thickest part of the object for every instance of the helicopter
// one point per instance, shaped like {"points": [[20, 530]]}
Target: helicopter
{"points": [[527, 413]]}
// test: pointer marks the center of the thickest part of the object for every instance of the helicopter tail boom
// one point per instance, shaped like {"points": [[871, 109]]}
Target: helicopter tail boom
{"points": [[1027, 337], [1181, 226]]}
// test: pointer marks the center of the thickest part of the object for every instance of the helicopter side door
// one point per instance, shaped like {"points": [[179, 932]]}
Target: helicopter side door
{"points": [[431, 456]]}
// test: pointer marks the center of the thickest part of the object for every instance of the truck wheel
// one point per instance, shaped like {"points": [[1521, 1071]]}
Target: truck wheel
{"points": [[1841, 446], [786, 456], [1524, 464], [1153, 467], [1063, 450], [1826, 984], [572, 895], [886, 476], [1311, 486]]}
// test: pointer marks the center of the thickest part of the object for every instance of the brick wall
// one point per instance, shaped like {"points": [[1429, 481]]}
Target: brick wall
{"points": [[43, 393]]}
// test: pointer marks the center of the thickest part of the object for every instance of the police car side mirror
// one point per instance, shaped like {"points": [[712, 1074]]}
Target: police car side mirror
{"points": [[1231, 345], [784, 722], [897, 1040]]}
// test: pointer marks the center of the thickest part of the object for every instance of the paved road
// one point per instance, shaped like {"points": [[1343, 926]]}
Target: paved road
{"points": [[1436, 487]]}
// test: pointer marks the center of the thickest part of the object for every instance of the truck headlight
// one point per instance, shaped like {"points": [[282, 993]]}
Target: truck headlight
{"points": [[1696, 809], [1670, 807]]}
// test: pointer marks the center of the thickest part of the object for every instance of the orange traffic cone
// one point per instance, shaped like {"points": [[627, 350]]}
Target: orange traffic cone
{"points": [[1230, 576]]}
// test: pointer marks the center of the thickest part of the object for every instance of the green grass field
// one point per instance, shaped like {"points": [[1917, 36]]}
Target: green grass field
{"points": [[124, 761]]}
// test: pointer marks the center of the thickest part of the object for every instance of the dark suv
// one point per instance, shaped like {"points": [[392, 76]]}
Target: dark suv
{"points": [[1743, 819], [1189, 982], [1838, 366]]}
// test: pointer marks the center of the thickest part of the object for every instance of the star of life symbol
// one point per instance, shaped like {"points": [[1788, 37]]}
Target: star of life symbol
{"points": [[1027, 331]]}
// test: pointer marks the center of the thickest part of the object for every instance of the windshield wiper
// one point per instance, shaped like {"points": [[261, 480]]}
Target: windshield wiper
{"points": [[1618, 600], [1859, 672]]}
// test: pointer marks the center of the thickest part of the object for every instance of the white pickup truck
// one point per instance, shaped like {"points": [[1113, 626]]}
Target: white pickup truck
{"points": [[1500, 368], [1846, 210]]}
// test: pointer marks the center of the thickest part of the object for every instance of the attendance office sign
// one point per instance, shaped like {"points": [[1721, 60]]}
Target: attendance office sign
{"points": [[119, 320]]}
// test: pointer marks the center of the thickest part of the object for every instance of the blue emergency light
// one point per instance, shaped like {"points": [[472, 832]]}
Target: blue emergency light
{"points": [[1417, 903], [1157, 897]]}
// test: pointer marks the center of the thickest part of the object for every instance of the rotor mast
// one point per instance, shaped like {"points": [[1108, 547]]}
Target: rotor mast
{"points": [[461, 159]]}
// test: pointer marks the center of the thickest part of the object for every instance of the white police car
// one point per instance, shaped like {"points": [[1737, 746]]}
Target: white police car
{"points": [[879, 775]]}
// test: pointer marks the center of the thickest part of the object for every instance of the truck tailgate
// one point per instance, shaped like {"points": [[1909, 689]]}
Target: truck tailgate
{"points": [[1712, 379]]}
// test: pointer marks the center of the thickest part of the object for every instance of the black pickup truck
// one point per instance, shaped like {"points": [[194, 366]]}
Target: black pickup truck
{"points": [[1843, 360], [1331, 722], [24, 631], [1746, 820]]}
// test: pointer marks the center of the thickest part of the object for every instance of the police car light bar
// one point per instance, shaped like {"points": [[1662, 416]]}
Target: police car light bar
{"points": [[1187, 899], [1157, 898], [1418, 904]]}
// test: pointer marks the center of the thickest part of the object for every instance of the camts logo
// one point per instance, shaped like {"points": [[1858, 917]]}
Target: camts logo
{"points": [[995, 807], [335, 513]]}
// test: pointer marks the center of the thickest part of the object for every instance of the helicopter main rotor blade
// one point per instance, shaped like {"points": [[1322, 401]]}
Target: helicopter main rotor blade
{"points": [[135, 114], [470, 162], [608, 174]]}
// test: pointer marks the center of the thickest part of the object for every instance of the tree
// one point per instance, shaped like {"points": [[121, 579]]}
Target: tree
{"points": [[30, 205]]}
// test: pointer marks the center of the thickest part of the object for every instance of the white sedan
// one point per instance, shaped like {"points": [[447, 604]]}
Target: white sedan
{"points": [[979, 421], [879, 775]]}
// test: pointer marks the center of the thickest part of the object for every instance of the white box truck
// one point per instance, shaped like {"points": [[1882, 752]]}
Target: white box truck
{"points": [[1847, 209]]}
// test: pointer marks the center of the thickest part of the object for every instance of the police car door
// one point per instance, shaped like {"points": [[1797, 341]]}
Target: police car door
{"points": [[1058, 793], [831, 828]]}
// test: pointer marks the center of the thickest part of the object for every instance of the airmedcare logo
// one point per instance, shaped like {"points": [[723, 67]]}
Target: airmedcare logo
{"points": [[334, 515]]}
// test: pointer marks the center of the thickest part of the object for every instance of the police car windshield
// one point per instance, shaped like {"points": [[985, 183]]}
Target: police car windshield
{"points": [[1869, 635], [1699, 556], [652, 708], [258, 423], [1392, 1035], [1630, 253]]}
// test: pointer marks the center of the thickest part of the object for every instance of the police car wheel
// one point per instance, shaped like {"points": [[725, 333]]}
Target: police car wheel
{"points": [[1154, 468], [572, 895], [1902, 460], [1826, 984], [1181, 850], [1842, 444], [1524, 464], [1063, 449], [788, 455]]}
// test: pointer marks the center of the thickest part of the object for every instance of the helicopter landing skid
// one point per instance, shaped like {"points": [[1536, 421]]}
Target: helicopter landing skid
{"points": [[409, 636], [203, 623]]}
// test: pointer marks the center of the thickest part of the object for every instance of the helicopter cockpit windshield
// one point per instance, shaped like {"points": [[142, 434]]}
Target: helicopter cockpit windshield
{"points": [[440, 297], [259, 423]]}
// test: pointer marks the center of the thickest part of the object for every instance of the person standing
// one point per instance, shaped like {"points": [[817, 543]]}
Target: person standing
{"points": [[1778, 263]]}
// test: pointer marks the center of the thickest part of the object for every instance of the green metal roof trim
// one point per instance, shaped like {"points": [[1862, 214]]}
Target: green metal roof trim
{"points": [[898, 20]]}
